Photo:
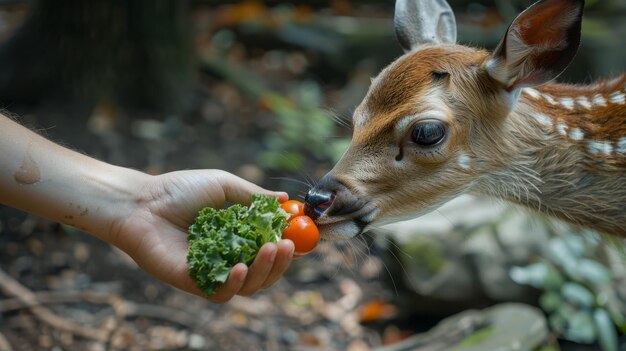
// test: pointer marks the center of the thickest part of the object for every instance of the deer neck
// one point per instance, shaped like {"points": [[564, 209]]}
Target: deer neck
{"points": [[565, 155]]}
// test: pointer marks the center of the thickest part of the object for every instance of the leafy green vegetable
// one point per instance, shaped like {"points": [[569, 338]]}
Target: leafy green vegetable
{"points": [[219, 239]]}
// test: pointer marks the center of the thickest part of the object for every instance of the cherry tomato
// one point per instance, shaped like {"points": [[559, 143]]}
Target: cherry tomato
{"points": [[304, 234], [293, 207]]}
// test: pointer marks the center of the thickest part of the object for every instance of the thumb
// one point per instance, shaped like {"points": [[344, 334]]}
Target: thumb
{"points": [[238, 190]]}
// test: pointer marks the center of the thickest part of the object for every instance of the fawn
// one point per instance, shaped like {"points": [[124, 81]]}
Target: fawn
{"points": [[445, 119]]}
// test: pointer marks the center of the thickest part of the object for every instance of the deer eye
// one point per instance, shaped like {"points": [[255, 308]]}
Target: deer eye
{"points": [[428, 133]]}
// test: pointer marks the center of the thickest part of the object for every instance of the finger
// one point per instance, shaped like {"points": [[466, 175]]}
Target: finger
{"points": [[235, 281], [185, 283], [284, 256], [238, 190], [260, 269]]}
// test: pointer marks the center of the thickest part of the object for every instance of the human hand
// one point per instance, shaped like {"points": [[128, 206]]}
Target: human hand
{"points": [[145, 216], [154, 234]]}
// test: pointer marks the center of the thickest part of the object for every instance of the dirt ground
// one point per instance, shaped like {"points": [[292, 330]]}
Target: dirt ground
{"points": [[91, 296]]}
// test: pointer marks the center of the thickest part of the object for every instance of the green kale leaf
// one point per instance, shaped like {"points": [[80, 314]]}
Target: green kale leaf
{"points": [[221, 238]]}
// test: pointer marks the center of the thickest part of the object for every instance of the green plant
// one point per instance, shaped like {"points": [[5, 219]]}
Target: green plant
{"points": [[219, 239], [578, 290], [304, 129]]}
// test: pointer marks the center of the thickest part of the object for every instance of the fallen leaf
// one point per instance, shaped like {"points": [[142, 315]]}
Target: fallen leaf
{"points": [[376, 310]]}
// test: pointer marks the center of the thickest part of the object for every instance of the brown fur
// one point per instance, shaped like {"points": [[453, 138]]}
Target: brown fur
{"points": [[600, 122], [510, 154]]}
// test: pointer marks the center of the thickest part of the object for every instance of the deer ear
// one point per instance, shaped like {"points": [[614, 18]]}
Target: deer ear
{"points": [[539, 44], [419, 22]]}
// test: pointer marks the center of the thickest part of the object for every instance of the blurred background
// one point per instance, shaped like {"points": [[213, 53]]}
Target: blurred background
{"points": [[265, 90]]}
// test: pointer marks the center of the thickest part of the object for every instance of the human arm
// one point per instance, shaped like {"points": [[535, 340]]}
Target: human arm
{"points": [[146, 216]]}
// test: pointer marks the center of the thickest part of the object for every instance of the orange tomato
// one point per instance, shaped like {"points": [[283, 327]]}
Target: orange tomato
{"points": [[304, 234], [294, 207]]}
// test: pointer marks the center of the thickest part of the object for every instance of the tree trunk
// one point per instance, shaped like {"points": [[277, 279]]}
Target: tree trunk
{"points": [[136, 53]]}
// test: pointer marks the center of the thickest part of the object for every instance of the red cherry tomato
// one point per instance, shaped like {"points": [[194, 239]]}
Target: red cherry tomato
{"points": [[304, 234], [294, 207]]}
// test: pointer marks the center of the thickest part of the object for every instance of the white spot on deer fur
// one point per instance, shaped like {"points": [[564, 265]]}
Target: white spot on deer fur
{"points": [[403, 124], [617, 98], [543, 119], [600, 147], [621, 146], [561, 128], [359, 119], [549, 99], [532, 92], [464, 161], [583, 101], [599, 100], [370, 216], [567, 102], [576, 134]]}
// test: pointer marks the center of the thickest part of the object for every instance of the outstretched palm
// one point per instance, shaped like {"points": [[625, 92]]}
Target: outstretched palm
{"points": [[155, 233]]}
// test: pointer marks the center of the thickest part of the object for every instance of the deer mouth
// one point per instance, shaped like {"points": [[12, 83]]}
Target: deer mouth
{"points": [[339, 212], [346, 226]]}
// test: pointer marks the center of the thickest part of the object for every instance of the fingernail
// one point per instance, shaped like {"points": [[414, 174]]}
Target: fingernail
{"points": [[282, 194], [243, 271], [292, 246], [272, 252]]}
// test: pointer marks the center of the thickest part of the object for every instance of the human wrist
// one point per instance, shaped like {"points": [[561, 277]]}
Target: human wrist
{"points": [[119, 193]]}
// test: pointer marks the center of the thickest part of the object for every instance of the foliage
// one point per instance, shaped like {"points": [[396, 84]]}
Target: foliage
{"points": [[304, 129], [477, 337], [426, 254], [221, 238], [578, 290]]}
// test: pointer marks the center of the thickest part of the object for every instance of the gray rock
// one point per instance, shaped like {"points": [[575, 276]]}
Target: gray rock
{"points": [[504, 327], [521, 235], [475, 242]]}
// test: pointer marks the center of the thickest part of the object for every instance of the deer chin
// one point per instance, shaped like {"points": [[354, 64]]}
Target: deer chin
{"points": [[346, 227], [342, 230]]}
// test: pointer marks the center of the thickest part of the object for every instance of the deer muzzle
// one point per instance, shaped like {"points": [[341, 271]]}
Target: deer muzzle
{"points": [[336, 209]]}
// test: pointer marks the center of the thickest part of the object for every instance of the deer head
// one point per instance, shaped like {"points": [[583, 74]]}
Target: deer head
{"points": [[431, 123]]}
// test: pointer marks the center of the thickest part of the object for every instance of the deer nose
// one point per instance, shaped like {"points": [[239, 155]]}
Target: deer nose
{"points": [[331, 198], [317, 201]]}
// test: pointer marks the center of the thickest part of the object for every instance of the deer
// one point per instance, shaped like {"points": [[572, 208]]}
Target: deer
{"points": [[446, 119]]}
